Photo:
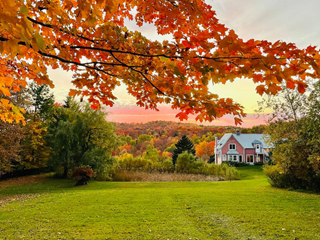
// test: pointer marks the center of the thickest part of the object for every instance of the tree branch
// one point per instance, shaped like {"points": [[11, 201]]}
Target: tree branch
{"points": [[75, 63]]}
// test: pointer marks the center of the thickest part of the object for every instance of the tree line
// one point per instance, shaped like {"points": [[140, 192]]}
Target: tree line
{"points": [[293, 132], [63, 137], [55, 137]]}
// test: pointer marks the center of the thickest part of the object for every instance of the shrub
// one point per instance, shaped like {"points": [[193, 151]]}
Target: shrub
{"points": [[231, 173], [82, 174], [259, 163], [236, 164], [185, 163], [103, 174], [165, 166], [281, 179], [143, 164], [128, 167], [276, 176]]}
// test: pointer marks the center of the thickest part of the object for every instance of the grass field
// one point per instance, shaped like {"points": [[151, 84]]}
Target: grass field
{"points": [[246, 209]]}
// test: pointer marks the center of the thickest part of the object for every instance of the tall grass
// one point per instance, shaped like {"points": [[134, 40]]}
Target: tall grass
{"points": [[130, 176], [208, 172], [187, 168]]}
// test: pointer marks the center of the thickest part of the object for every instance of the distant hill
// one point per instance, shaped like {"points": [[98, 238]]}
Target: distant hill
{"points": [[172, 129]]}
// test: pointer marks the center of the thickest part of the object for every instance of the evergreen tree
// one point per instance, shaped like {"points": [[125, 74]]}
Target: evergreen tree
{"points": [[67, 102], [43, 101], [212, 159], [184, 144]]}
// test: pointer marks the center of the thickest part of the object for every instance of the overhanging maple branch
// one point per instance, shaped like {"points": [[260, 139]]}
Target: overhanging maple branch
{"points": [[75, 63], [134, 53], [155, 87], [141, 73], [60, 29], [165, 55]]}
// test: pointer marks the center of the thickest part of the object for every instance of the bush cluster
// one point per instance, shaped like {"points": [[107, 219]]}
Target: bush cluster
{"points": [[236, 164], [143, 164], [83, 174], [186, 164]]}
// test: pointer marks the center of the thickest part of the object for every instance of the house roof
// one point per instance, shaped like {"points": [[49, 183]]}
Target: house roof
{"points": [[246, 140], [223, 140], [232, 152], [256, 142]]}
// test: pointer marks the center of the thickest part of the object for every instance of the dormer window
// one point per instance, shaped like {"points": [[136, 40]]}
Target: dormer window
{"points": [[257, 146], [232, 146]]}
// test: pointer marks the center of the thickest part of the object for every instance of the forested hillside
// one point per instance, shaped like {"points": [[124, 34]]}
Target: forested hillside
{"points": [[163, 136], [173, 129]]}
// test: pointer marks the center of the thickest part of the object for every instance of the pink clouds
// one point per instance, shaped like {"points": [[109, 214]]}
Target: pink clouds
{"points": [[135, 114]]}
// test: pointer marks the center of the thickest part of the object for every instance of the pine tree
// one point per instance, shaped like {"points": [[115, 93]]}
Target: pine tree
{"points": [[43, 101], [184, 144]]}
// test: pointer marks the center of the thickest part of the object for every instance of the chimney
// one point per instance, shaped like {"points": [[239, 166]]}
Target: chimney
{"points": [[238, 132]]}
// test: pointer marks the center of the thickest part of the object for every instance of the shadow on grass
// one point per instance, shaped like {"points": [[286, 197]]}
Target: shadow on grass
{"points": [[51, 184], [57, 185]]}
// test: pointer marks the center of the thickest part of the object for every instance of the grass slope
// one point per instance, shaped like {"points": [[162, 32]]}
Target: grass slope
{"points": [[246, 209]]}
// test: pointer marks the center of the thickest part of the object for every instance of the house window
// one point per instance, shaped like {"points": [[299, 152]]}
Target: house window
{"points": [[224, 157], [232, 158], [240, 158], [257, 146], [250, 158], [232, 146]]}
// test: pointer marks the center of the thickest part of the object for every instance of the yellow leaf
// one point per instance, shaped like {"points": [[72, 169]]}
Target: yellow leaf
{"points": [[5, 102], [164, 59], [39, 41], [24, 10], [7, 81]]}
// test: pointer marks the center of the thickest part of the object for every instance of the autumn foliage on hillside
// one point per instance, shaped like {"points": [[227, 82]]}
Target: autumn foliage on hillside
{"points": [[163, 136], [89, 38], [173, 129], [167, 128]]}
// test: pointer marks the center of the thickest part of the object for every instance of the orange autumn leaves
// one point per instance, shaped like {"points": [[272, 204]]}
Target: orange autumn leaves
{"points": [[88, 37], [205, 149], [8, 111]]}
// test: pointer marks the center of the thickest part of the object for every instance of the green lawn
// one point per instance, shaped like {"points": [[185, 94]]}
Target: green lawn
{"points": [[246, 209]]}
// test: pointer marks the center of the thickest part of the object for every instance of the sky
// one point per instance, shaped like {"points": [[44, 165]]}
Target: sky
{"points": [[294, 21]]}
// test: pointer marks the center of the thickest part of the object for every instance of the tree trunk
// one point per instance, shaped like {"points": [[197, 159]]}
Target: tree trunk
{"points": [[65, 171], [65, 167]]}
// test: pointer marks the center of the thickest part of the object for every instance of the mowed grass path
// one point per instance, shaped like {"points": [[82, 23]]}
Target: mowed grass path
{"points": [[246, 209]]}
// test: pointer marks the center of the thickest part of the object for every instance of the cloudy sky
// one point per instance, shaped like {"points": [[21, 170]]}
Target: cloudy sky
{"points": [[288, 20]]}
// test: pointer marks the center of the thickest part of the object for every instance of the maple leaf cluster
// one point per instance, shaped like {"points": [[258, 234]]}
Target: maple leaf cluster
{"points": [[89, 37]]}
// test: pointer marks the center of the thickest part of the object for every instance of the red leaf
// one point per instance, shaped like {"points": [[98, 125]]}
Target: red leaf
{"points": [[182, 116], [290, 84], [237, 121], [302, 87], [260, 89], [73, 92], [187, 44], [94, 107]]}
